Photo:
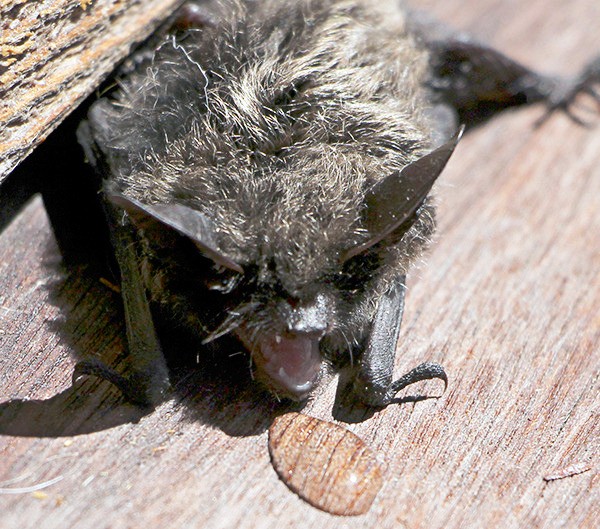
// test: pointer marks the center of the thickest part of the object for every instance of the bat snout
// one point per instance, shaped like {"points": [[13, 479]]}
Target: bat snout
{"points": [[310, 318]]}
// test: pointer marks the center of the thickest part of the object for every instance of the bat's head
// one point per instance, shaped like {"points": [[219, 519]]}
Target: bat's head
{"points": [[280, 293], [277, 168]]}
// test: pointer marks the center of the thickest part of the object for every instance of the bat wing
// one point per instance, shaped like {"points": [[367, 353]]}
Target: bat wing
{"points": [[148, 382], [478, 81], [373, 384]]}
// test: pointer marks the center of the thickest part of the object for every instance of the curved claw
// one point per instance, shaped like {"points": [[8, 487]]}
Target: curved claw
{"points": [[139, 388], [563, 93], [425, 371]]}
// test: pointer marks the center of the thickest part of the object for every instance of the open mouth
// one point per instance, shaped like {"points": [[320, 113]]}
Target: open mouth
{"points": [[289, 364]]}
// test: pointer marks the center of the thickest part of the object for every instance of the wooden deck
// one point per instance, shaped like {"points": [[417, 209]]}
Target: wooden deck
{"points": [[508, 300]]}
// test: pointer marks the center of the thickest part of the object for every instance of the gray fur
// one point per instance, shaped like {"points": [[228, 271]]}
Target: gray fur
{"points": [[274, 124]]}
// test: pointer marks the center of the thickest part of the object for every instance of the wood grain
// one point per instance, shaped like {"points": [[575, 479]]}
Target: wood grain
{"points": [[53, 53], [508, 300]]}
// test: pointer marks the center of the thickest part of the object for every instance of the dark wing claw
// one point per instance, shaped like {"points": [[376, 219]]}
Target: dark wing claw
{"points": [[562, 94], [139, 388], [425, 371]]}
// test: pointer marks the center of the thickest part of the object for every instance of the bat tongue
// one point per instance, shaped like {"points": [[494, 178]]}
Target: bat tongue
{"points": [[291, 363]]}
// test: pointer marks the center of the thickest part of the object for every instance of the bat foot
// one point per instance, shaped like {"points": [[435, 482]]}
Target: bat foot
{"points": [[562, 94], [140, 388]]}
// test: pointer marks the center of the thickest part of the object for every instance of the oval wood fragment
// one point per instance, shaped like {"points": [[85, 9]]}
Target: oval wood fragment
{"points": [[326, 465]]}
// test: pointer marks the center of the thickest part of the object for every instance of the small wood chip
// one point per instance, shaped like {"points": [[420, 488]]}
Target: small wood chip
{"points": [[567, 472], [39, 495], [326, 465], [109, 285]]}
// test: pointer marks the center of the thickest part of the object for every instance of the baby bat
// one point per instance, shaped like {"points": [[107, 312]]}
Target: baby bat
{"points": [[267, 176]]}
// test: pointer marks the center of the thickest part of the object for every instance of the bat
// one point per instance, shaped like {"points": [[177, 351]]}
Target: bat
{"points": [[267, 173]]}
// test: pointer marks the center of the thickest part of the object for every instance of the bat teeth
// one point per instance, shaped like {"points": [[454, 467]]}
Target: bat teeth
{"points": [[289, 364], [298, 389]]}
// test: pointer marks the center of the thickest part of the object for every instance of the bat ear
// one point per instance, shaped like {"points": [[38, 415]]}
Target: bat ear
{"points": [[188, 222], [394, 200]]}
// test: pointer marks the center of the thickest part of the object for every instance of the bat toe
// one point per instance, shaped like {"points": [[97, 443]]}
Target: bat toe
{"points": [[140, 388]]}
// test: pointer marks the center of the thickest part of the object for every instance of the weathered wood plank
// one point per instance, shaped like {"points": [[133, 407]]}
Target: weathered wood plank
{"points": [[508, 301], [53, 53]]}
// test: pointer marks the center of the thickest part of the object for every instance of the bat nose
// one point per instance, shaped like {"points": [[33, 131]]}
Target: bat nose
{"points": [[311, 318], [313, 330]]}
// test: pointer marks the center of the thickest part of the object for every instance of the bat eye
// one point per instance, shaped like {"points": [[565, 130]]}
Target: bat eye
{"points": [[224, 283], [287, 95]]}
